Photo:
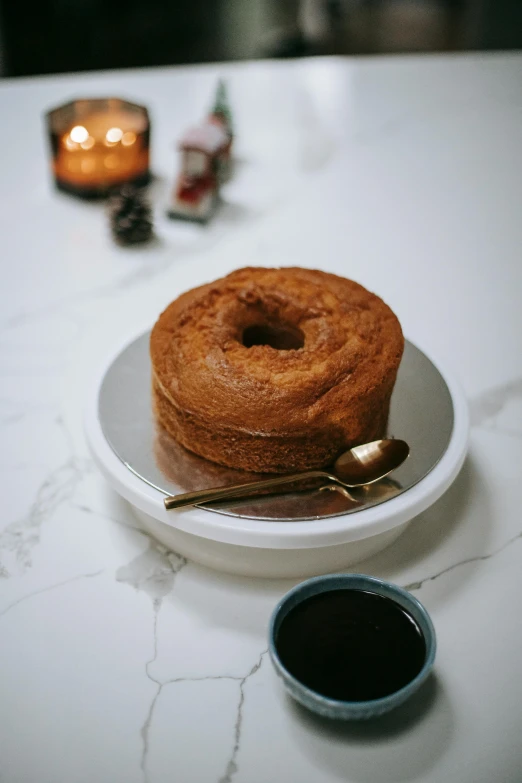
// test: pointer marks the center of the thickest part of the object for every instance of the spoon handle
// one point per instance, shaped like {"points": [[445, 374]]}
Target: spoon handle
{"points": [[239, 490]]}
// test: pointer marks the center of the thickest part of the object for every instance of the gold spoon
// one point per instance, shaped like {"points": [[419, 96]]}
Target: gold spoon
{"points": [[361, 465]]}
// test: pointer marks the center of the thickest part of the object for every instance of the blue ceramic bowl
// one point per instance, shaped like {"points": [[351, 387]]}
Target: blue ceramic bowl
{"points": [[350, 710]]}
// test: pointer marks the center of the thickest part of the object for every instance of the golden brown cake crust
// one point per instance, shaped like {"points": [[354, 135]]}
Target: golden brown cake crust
{"points": [[266, 409]]}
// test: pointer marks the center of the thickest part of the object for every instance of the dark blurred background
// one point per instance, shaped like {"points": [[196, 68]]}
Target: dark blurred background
{"points": [[56, 36]]}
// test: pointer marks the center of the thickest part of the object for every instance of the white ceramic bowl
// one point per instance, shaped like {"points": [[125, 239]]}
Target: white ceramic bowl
{"points": [[278, 549]]}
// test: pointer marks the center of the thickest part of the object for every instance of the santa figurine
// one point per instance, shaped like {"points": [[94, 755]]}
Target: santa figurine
{"points": [[205, 163], [196, 192]]}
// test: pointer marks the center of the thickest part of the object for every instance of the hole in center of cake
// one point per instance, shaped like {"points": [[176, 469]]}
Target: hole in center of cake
{"points": [[279, 336]]}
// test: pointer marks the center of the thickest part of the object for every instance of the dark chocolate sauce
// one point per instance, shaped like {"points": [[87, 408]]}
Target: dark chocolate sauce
{"points": [[351, 645]]}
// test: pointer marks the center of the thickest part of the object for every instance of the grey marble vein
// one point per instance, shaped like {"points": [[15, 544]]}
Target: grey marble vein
{"points": [[486, 406], [144, 731], [152, 571], [102, 515], [144, 734], [50, 588], [232, 767], [11, 418], [60, 423], [144, 273], [156, 605], [476, 559], [13, 411], [20, 537], [145, 728]]}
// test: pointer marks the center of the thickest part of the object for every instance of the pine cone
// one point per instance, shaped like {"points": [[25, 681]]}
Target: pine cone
{"points": [[130, 215]]}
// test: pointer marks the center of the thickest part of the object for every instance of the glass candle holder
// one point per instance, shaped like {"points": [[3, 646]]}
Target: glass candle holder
{"points": [[97, 144]]}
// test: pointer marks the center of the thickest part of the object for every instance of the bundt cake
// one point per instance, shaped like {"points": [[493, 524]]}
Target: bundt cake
{"points": [[275, 370]]}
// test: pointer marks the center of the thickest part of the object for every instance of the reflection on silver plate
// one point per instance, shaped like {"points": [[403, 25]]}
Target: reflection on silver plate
{"points": [[421, 413]]}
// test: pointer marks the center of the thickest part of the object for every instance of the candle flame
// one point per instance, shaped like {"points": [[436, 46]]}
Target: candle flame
{"points": [[113, 135], [88, 143], [79, 134], [69, 144], [128, 138]]}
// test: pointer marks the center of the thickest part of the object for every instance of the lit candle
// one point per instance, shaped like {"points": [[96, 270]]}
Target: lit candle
{"points": [[99, 143]]}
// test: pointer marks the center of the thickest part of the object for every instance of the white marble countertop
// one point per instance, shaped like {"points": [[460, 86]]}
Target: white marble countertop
{"points": [[121, 663]]}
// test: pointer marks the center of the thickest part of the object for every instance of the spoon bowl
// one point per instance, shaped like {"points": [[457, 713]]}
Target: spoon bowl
{"points": [[361, 465], [370, 462]]}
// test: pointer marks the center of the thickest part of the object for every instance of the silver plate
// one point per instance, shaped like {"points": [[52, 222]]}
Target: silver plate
{"points": [[421, 413]]}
